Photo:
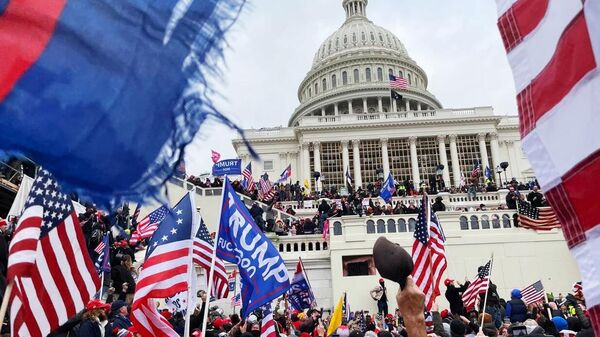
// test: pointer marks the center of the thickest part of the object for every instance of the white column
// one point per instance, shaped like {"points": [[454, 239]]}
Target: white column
{"points": [[345, 158], [336, 111], [317, 155], [305, 164], [513, 153], [495, 147], [356, 159], [365, 107], [385, 158], [380, 104], [394, 105], [444, 159], [323, 111], [292, 156], [283, 163], [419, 106], [407, 105], [485, 162], [454, 158], [350, 107], [414, 161]]}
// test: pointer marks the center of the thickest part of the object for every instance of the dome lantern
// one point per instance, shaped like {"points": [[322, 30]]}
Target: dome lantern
{"points": [[355, 8]]}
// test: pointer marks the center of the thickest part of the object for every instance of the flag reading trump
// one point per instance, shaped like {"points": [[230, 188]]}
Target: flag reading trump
{"points": [[263, 273]]}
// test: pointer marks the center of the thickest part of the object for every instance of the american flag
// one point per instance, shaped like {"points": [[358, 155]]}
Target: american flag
{"points": [[346, 308], [267, 328], [554, 54], [428, 254], [147, 226], [397, 82], [166, 269], [103, 261], [52, 274], [136, 214], [232, 280], [533, 293], [236, 301], [248, 181], [476, 170], [203, 253], [479, 285], [538, 218], [100, 247], [266, 191]]}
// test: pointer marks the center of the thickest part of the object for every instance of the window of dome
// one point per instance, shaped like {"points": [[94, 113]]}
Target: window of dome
{"points": [[380, 37], [356, 77], [372, 37], [409, 80], [364, 37], [344, 78], [354, 37], [345, 39], [309, 92], [368, 74], [391, 71], [333, 81], [316, 88], [388, 39], [329, 47], [379, 74], [324, 84], [401, 74]]}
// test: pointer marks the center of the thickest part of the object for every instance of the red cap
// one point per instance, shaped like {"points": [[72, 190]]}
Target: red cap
{"points": [[381, 280], [97, 304], [444, 313], [218, 323], [448, 281]]}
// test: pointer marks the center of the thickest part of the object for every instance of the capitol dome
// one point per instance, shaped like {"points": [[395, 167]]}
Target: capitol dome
{"points": [[349, 74]]}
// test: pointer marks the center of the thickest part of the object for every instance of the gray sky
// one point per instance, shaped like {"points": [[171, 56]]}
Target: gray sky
{"points": [[273, 43]]}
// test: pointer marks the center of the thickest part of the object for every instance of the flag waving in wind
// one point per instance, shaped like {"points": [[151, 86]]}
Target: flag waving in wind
{"points": [[165, 271], [248, 181], [203, 252], [300, 295], [388, 189], [215, 156], [285, 175], [262, 270], [122, 82], [478, 286]]}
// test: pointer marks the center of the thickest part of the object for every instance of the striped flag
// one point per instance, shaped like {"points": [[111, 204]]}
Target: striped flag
{"points": [[533, 293], [52, 274], [285, 175], [428, 253], [537, 218], [165, 271], [478, 286], [136, 214], [554, 54], [100, 247], [236, 300], [397, 82], [267, 328], [148, 225], [103, 261], [266, 191], [203, 253], [248, 181]]}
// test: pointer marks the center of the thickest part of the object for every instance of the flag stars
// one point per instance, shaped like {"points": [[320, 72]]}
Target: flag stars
{"points": [[179, 221], [173, 231], [179, 212], [164, 238]]}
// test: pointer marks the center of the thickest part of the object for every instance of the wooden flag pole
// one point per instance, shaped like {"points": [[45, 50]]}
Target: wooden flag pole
{"points": [[5, 299], [486, 293], [191, 270], [547, 308]]}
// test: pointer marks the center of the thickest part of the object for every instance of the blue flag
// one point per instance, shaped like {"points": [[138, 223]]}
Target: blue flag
{"points": [[488, 173], [300, 295], [263, 273], [106, 94], [103, 262], [388, 189]]}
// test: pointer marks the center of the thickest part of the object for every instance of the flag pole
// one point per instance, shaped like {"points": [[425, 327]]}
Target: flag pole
{"points": [[212, 262], [487, 288], [191, 269], [546, 299], [4, 307], [234, 291], [101, 285]]}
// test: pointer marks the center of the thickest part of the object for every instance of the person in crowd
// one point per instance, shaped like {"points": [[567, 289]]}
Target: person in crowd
{"points": [[324, 210], [94, 319], [535, 197], [454, 292], [438, 205], [512, 197], [515, 308], [257, 214], [118, 318], [123, 280], [379, 294]]}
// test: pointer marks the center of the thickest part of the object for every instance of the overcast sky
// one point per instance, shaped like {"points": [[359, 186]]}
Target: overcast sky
{"points": [[273, 44]]}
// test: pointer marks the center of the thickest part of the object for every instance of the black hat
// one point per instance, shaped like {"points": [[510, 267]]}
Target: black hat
{"points": [[392, 261], [457, 328]]}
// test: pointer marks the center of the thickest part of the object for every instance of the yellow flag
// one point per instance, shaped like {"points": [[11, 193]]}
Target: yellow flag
{"points": [[306, 184], [336, 318]]}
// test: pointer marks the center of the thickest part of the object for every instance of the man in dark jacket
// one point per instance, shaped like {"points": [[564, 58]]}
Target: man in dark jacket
{"points": [[535, 197], [511, 198], [438, 205], [454, 293], [516, 309]]}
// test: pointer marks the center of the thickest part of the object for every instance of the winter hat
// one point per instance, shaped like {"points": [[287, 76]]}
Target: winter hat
{"points": [[560, 323], [457, 328], [515, 293], [116, 305], [444, 313], [218, 323]]}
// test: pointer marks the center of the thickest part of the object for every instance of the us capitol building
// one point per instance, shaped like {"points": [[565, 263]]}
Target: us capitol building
{"points": [[346, 119]]}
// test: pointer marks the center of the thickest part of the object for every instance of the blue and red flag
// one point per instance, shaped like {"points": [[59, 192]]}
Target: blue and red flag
{"points": [[285, 175], [104, 93]]}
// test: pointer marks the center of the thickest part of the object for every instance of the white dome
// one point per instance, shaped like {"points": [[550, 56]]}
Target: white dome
{"points": [[357, 33]]}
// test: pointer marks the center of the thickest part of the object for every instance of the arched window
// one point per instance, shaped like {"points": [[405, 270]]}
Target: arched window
{"points": [[281, 247], [337, 228], [380, 226], [379, 74], [474, 222], [400, 74], [316, 88], [411, 224], [391, 71], [344, 78], [288, 247], [401, 226], [364, 37], [370, 227], [324, 84], [505, 221], [325, 245], [368, 74], [356, 77], [317, 245], [464, 224], [309, 92], [333, 81], [495, 221], [296, 246], [485, 222], [391, 226], [310, 246], [409, 80], [303, 247], [372, 37]]}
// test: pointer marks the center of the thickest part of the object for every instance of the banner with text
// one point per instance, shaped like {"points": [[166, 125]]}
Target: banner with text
{"points": [[227, 166]]}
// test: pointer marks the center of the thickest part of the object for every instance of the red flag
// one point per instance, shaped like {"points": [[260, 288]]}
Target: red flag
{"points": [[215, 156], [326, 229], [52, 274]]}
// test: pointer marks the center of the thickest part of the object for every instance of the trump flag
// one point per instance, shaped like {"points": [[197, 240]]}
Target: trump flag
{"points": [[105, 94], [262, 270]]}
